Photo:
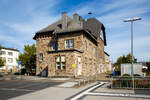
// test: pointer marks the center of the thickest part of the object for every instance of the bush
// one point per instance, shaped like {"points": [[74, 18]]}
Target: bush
{"points": [[136, 75], [125, 75]]}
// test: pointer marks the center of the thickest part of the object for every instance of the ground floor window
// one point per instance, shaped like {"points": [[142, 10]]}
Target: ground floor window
{"points": [[60, 62]]}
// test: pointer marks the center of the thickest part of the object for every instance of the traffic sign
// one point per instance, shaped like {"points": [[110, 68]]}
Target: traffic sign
{"points": [[19, 62], [73, 65]]}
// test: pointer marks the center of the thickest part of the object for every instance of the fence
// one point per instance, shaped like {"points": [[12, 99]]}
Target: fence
{"points": [[130, 82]]}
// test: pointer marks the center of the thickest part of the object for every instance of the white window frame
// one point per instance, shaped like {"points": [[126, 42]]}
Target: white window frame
{"points": [[10, 60], [69, 44], [60, 62], [4, 52], [10, 53]]}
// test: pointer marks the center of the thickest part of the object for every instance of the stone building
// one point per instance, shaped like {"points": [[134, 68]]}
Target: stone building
{"points": [[70, 47], [108, 64]]}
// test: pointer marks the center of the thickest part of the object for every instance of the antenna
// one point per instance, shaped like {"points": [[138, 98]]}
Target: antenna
{"points": [[90, 13]]}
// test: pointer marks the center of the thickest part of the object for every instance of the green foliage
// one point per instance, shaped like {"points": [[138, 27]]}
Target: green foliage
{"points": [[136, 75], [1, 61], [28, 58], [123, 59], [148, 65], [0, 47], [125, 75]]}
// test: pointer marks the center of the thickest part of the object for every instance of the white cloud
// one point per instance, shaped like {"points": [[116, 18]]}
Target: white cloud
{"points": [[111, 15], [40, 17]]}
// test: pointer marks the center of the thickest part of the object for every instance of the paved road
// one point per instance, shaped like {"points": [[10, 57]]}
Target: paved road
{"points": [[10, 89]]}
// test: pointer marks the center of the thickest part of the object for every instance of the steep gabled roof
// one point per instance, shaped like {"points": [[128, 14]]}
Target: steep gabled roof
{"points": [[91, 26], [71, 25], [94, 26]]}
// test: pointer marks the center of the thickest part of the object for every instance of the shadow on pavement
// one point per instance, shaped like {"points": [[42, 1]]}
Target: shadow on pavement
{"points": [[11, 89], [142, 91]]}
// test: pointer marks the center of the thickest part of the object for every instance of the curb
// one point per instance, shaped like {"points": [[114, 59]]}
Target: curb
{"points": [[119, 95], [96, 83]]}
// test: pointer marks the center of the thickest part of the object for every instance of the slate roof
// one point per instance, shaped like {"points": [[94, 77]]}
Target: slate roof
{"points": [[71, 25], [91, 26]]}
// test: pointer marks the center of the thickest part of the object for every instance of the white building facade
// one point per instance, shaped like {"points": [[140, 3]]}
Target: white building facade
{"points": [[137, 69], [10, 56]]}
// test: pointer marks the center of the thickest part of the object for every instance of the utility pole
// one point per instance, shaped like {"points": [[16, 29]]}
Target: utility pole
{"points": [[132, 60]]}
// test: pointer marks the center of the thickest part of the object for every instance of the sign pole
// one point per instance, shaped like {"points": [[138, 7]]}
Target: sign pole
{"points": [[19, 67]]}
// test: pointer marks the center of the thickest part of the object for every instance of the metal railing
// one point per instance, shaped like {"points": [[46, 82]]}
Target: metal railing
{"points": [[130, 82]]}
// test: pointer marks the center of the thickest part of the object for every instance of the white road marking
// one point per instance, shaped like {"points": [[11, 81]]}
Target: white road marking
{"points": [[120, 95], [86, 92], [15, 89]]}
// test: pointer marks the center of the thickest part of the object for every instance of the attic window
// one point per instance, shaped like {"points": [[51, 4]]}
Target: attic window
{"points": [[60, 26], [102, 35]]}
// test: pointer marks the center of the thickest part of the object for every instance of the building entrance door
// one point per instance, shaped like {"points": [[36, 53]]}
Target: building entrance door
{"points": [[79, 66]]}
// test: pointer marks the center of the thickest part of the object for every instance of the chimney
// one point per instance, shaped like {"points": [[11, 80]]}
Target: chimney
{"points": [[64, 20], [81, 20], [76, 18]]}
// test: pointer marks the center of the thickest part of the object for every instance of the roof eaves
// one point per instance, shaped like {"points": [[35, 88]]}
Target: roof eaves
{"points": [[106, 53], [13, 49], [91, 35]]}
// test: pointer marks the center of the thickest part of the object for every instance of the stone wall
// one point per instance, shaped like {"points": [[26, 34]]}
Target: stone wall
{"points": [[91, 58]]}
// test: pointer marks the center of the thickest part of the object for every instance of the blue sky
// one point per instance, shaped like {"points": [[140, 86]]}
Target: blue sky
{"points": [[20, 19]]}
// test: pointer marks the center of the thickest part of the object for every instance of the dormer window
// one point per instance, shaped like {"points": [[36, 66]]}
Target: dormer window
{"points": [[60, 26], [102, 35]]}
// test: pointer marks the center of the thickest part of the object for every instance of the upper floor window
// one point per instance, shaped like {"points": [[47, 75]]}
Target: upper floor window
{"points": [[10, 53], [102, 35], [41, 57], [55, 46], [10, 60], [70, 43], [67, 43], [2, 52]]}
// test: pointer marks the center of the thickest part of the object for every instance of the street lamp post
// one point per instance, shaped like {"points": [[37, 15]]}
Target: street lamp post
{"points": [[132, 59]]}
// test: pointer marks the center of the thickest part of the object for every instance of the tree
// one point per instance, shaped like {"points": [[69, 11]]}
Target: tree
{"points": [[123, 59], [148, 66], [28, 58], [1, 61]]}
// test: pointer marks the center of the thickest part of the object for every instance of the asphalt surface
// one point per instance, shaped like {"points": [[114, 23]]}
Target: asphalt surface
{"points": [[14, 88]]}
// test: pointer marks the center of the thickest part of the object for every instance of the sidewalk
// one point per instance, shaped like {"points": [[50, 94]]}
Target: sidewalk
{"points": [[52, 93], [104, 89]]}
